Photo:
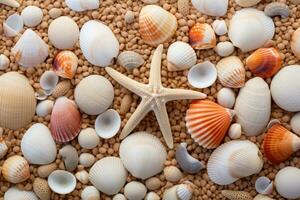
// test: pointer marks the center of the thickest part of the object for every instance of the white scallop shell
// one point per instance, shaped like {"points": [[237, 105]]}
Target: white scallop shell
{"points": [[287, 182], [48, 81], [4, 62], [87, 159], [130, 59], [119, 197], [98, 43], [38, 146], [82, 176], [235, 131], [247, 3], [253, 106], [108, 124], [83, 5], [15, 193], [202, 75], [135, 190], [44, 108], [62, 182], [13, 25], [143, 155], [88, 138], [211, 7], [90, 192], [152, 196], [264, 185], [32, 16], [295, 123], [224, 48], [220, 27], [226, 97], [184, 191], [172, 174]]}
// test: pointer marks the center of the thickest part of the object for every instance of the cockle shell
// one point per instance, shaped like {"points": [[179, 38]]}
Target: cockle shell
{"points": [[234, 160], [65, 120], [156, 25], [3, 147], [38, 146], [108, 124], [108, 175], [211, 7], [62, 182], [172, 174], [295, 43], [88, 138], [48, 81], [295, 123], [129, 17], [15, 169], [220, 27], [130, 59], [287, 182], [235, 131], [135, 190], [236, 195], [61, 88], [253, 106], [82, 176], [30, 50], [12, 3], [70, 157], [137, 149], [32, 16], [224, 48], [90, 193], [87, 159], [202, 36], [83, 5], [247, 3], [44, 108], [15, 193], [13, 25], [119, 197], [42, 189], [226, 97], [65, 64], [264, 185], [152, 196], [182, 191], [264, 62], [208, 122], [277, 8], [45, 170], [4, 62], [183, 7], [231, 72], [98, 43]]}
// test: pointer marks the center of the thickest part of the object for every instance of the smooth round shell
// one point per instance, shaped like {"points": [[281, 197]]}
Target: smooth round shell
{"points": [[32, 16], [135, 190], [211, 7], [220, 27], [82, 176], [90, 192], [295, 123], [108, 124], [87, 159], [287, 182], [224, 48], [235, 131], [65, 64], [4, 62], [202, 75], [226, 97], [119, 197], [172, 174], [44, 108], [88, 138], [153, 183], [62, 182], [152, 196]]}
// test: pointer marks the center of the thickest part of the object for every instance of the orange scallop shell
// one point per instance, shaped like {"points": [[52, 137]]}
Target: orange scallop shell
{"points": [[208, 122], [16, 169], [202, 36], [264, 62], [65, 64]]}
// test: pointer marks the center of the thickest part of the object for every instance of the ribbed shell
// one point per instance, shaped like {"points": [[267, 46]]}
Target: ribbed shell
{"points": [[61, 88], [130, 59], [184, 191], [15, 169], [236, 195], [135, 190], [202, 36], [207, 122], [295, 43], [14, 193], [65, 64]]}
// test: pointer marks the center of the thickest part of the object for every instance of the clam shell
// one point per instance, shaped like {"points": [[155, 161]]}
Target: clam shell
{"points": [[108, 124], [130, 59], [119, 197], [62, 182], [247, 3], [277, 8], [156, 25], [15, 193], [295, 123], [87, 159], [125, 104], [264, 185], [211, 7], [61, 88], [45, 170], [42, 189], [70, 157], [65, 64], [82, 176], [224, 49], [88, 138], [12, 3], [13, 25], [295, 43], [135, 151], [235, 131], [3, 147], [287, 182], [48, 81], [183, 7], [90, 192], [32, 16], [44, 108], [41, 95], [152, 196], [226, 97], [236, 195], [220, 27], [4, 62], [172, 174], [202, 36], [135, 190], [153, 183], [129, 17], [202, 75], [15, 169]]}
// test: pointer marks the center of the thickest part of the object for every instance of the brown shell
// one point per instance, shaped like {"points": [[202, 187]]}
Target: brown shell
{"points": [[202, 36], [61, 88], [65, 64], [42, 189]]}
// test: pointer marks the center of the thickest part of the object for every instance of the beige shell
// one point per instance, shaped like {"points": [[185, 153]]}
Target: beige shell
{"points": [[172, 174], [135, 190], [152, 196], [15, 169], [119, 197], [45, 170], [295, 43], [247, 3], [130, 59], [70, 157], [129, 17], [236, 195], [153, 183], [88, 138], [61, 88], [42, 189], [90, 193], [82, 176], [87, 159], [125, 104], [262, 197], [55, 13]]}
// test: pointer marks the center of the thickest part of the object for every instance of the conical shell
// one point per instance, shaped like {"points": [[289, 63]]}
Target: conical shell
{"points": [[32, 16], [42, 189], [65, 120], [264, 185], [135, 190], [62, 182], [236, 195], [61, 88], [4, 62], [295, 43], [130, 59], [30, 50], [287, 182], [65, 64], [44, 108], [211, 7], [70, 157], [224, 48], [3, 147], [247, 3], [15, 193], [156, 25], [277, 9], [15, 169], [172, 174], [90, 192], [208, 122], [135, 151], [13, 25], [108, 124], [12, 3], [48, 81], [234, 160], [88, 138], [202, 36], [87, 159]]}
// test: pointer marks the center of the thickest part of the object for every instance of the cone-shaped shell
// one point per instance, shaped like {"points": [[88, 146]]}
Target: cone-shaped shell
{"points": [[295, 43], [65, 64], [208, 122], [236, 195], [65, 120], [156, 25], [15, 193], [130, 59], [287, 182], [15, 169], [202, 36], [211, 7], [264, 62], [62, 182]]}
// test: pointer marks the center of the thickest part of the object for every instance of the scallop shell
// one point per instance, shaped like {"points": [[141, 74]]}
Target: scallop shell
{"points": [[277, 8], [65, 120], [264, 185], [87, 159], [135, 151], [184, 191], [4, 62], [45, 170], [130, 59], [262, 197], [15, 169], [231, 72], [61, 88], [13, 25], [38, 146], [42, 189], [234, 160], [30, 50], [295, 43], [253, 106], [180, 56], [226, 97], [156, 25], [32, 16], [183, 7], [119, 197], [235, 131], [236, 195], [48, 81], [208, 122], [135, 190], [108, 124], [82, 176], [202, 36], [90, 192], [211, 7], [44, 108], [15, 193], [172, 174], [220, 27], [98, 43], [91, 98], [247, 3], [62, 182], [153, 183], [65, 64], [264, 62], [287, 182], [152, 196], [250, 29], [295, 123], [12, 3], [70, 157], [88, 138], [224, 49], [3, 147], [129, 17], [108, 175]]}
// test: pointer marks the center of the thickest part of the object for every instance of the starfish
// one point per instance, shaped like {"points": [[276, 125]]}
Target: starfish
{"points": [[12, 3], [154, 97]]}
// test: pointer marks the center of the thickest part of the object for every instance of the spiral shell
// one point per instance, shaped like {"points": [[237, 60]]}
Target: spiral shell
{"points": [[65, 64], [202, 36]]}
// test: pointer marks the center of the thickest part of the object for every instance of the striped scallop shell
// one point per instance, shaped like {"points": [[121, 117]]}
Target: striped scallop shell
{"points": [[61, 88], [130, 59], [65, 64], [184, 191], [15, 169], [14, 193], [202, 36], [208, 122], [295, 43]]}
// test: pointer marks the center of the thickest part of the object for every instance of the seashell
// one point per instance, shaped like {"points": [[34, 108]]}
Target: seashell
{"points": [[62, 182], [264, 62], [287, 182], [180, 56], [3, 148], [295, 43], [108, 175], [108, 124], [202, 75], [44, 108], [129, 17], [172, 174], [130, 59], [135, 151], [61, 88], [184, 191], [119, 197], [82, 176], [91, 98], [13, 25], [83, 5], [277, 8], [30, 50], [264, 185], [231, 72], [235, 131], [15, 193], [70, 157], [150, 1], [152, 196], [247, 3], [183, 7], [211, 7], [279, 144], [75, 5], [153, 183], [253, 106], [63, 32], [17, 101], [4, 62], [295, 123], [239, 158], [220, 27], [135, 190], [208, 122], [42, 189], [98, 43], [32, 16], [202, 36], [41, 95], [90, 193], [236, 195], [224, 49], [38, 146], [45, 170], [55, 13], [250, 29], [156, 25], [48, 81], [186, 162], [125, 104], [65, 120], [226, 97], [262, 197], [88, 138], [65, 64], [11, 3], [87, 159], [15, 169]]}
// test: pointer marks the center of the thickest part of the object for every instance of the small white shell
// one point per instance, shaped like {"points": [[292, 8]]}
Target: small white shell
{"points": [[108, 124], [247, 3], [32, 16], [211, 7], [87, 159], [44, 108], [172, 174], [88, 138], [82, 5], [4, 62], [235, 131], [264, 185], [295, 123], [11, 3], [226, 97], [70, 157], [130, 59], [152, 196], [287, 182], [15, 193], [202, 75], [135, 190], [48, 81], [82, 176], [13, 25], [220, 27], [119, 197], [129, 17], [62, 182], [90, 192], [224, 48]]}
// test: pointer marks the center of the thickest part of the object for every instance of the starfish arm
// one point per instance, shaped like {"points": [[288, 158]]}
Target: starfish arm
{"points": [[155, 76], [179, 94]]}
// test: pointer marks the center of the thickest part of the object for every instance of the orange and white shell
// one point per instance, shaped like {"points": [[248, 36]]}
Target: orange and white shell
{"points": [[208, 122], [15, 169], [65, 64], [264, 62], [295, 43], [156, 25], [202, 36]]}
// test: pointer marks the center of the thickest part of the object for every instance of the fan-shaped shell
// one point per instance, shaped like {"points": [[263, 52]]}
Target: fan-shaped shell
{"points": [[295, 43], [287, 182], [32, 16], [202, 36], [65, 64], [295, 123], [108, 124], [236, 195], [62, 182], [13, 25], [87, 159], [226, 97], [4, 62], [224, 48], [277, 8], [211, 7], [61, 88], [15, 193], [179, 192], [44, 108], [247, 3], [135, 190], [130, 59], [90, 192], [70, 157], [88, 138], [42, 189], [15, 169]]}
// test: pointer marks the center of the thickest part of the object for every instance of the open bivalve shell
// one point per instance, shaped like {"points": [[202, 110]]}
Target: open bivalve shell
{"points": [[83, 5], [90, 192], [4, 62], [182, 191], [234, 160], [211, 7], [48, 81], [44, 108], [264, 185], [32, 16], [135, 190], [247, 3], [15, 193], [65, 64], [62, 182], [108, 124], [130, 59], [202, 36], [287, 182], [15, 169], [13, 25]]}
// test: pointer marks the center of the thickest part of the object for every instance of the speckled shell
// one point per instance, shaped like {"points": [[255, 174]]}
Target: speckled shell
{"points": [[32, 16], [277, 8], [202, 36], [156, 25], [15, 169], [247, 3], [42, 189], [70, 157], [90, 192], [15, 193], [130, 59], [295, 43], [62, 182], [211, 7], [65, 64], [88, 138], [61, 88], [236, 195], [287, 182], [135, 190]]}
